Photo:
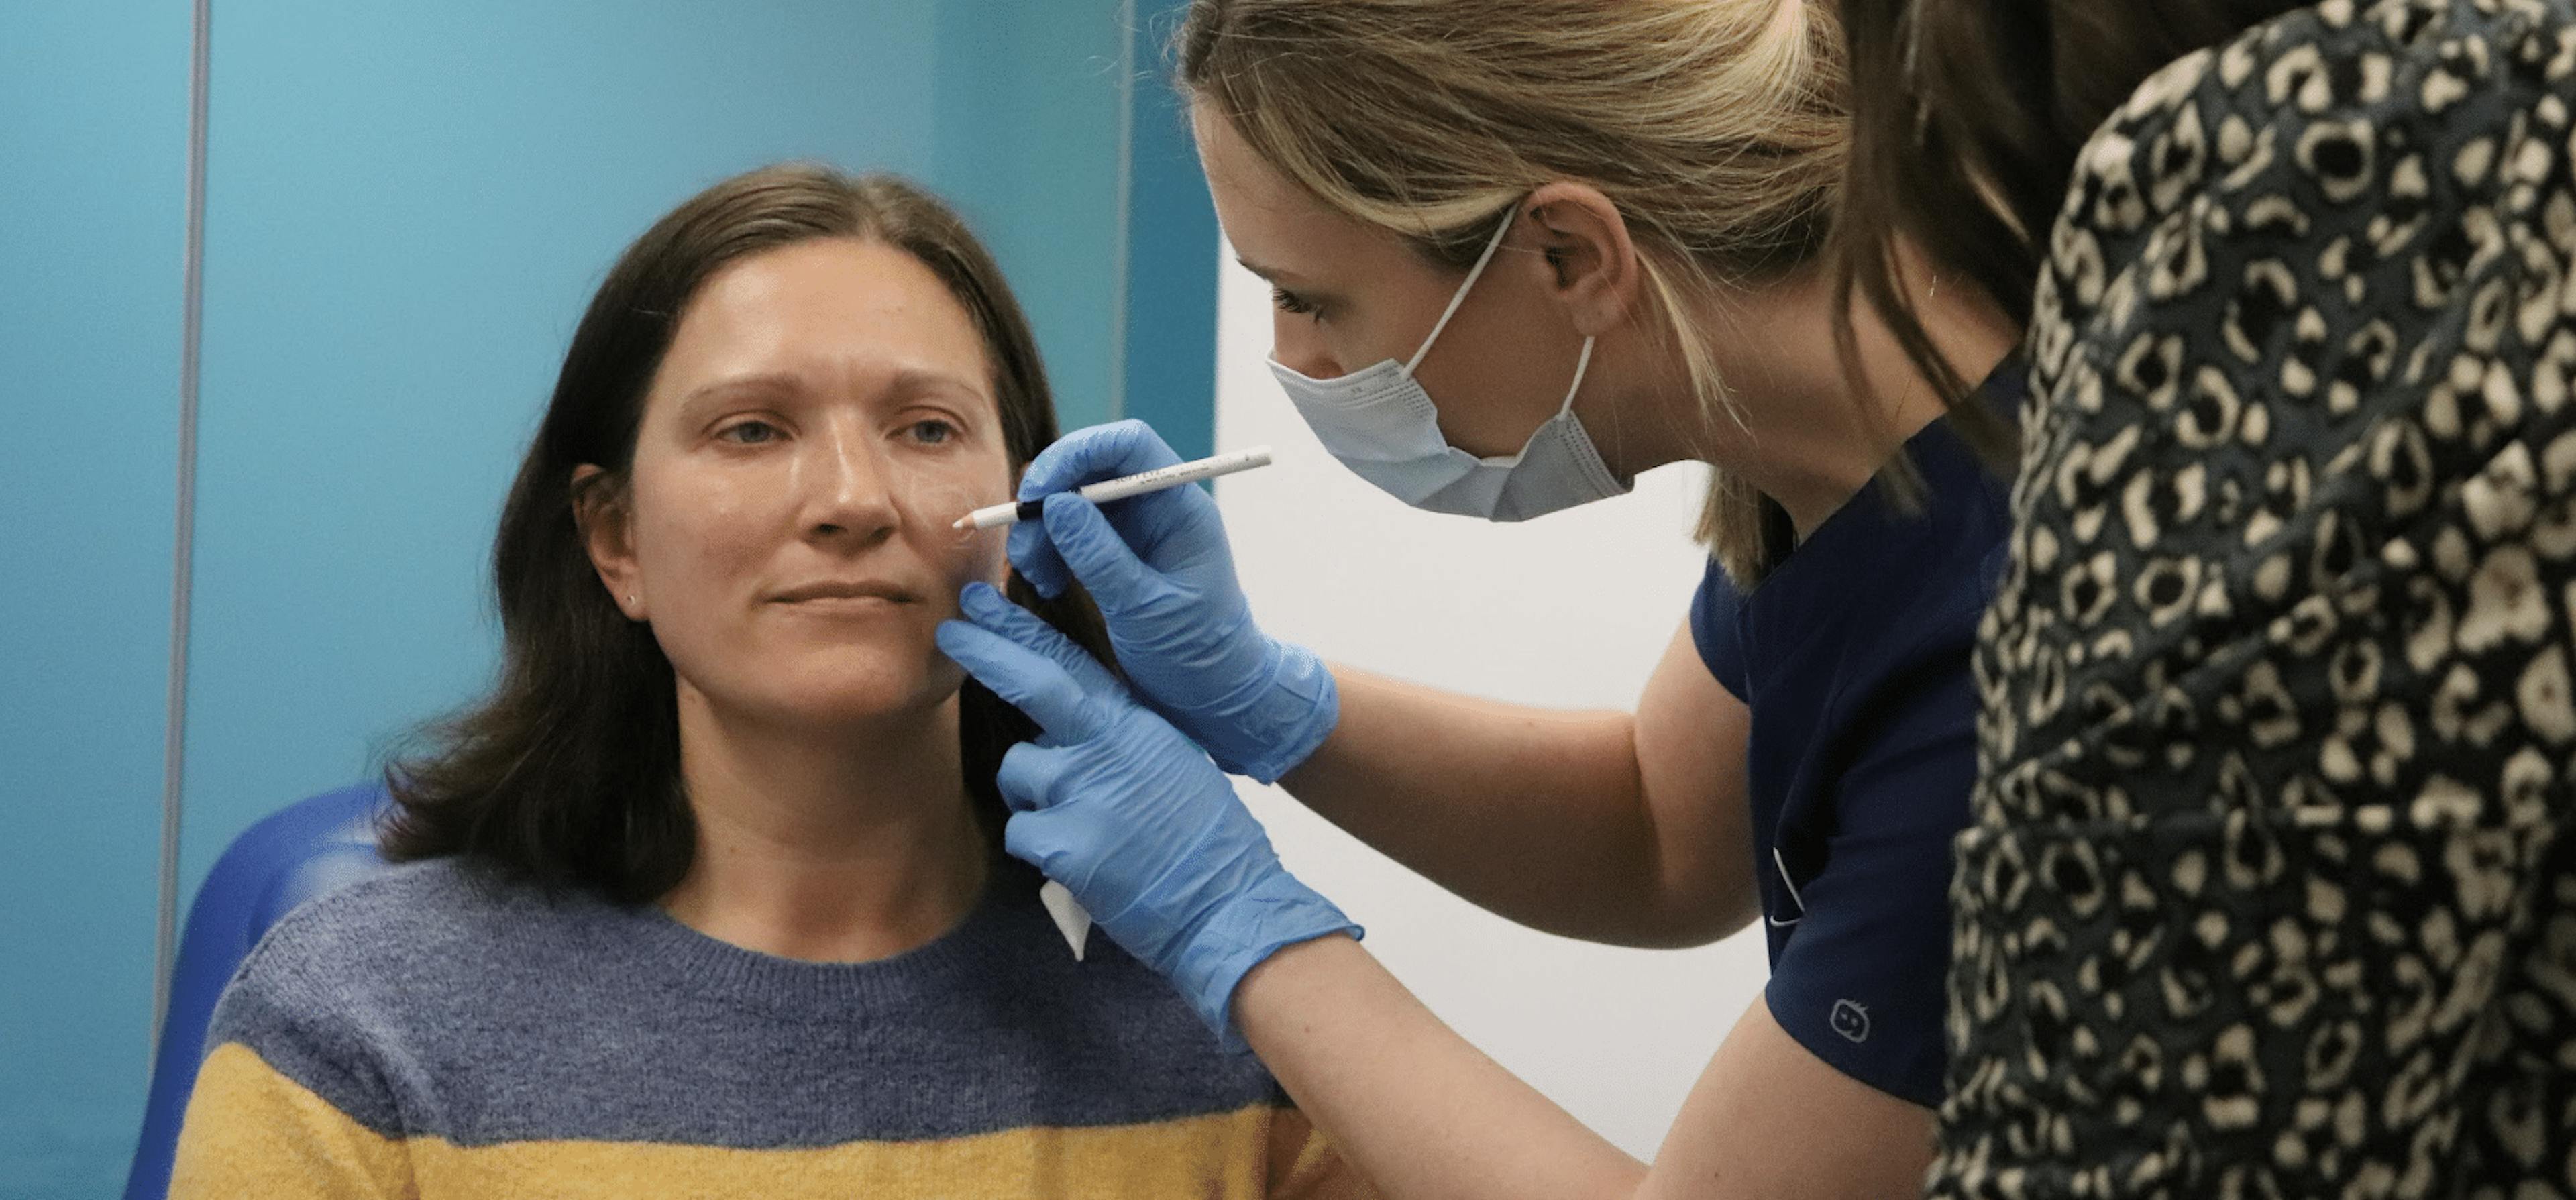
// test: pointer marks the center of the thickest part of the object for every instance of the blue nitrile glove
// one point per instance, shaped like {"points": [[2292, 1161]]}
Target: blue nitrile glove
{"points": [[1158, 567], [1131, 817]]}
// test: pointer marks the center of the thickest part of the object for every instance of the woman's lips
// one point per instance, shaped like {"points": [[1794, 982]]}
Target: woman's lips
{"points": [[846, 604], [846, 591]]}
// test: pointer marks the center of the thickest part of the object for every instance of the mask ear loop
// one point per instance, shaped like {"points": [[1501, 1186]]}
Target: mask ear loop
{"points": [[1582, 362], [1491, 244]]}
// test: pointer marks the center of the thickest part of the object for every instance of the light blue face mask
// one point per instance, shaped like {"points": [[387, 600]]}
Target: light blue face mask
{"points": [[1381, 424]]}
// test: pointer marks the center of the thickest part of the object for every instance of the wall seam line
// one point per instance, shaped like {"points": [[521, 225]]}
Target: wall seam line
{"points": [[1122, 270], [174, 740]]}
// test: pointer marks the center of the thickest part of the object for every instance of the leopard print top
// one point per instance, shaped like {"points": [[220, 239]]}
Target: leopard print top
{"points": [[2265, 894]]}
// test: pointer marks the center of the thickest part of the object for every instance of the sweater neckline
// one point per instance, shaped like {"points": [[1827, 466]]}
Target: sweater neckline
{"points": [[988, 936]]}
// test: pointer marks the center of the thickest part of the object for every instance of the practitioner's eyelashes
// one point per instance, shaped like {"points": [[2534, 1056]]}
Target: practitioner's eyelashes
{"points": [[1291, 302]]}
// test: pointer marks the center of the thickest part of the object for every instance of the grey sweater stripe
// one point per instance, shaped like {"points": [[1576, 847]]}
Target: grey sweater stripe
{"points": [[438, 1002]]}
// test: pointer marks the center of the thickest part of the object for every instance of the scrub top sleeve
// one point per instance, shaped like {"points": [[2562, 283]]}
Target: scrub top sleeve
{"points": [[1715, 632], [1862, 982]]}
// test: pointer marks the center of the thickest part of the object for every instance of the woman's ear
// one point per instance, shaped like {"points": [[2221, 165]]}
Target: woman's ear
{"points": [[602, 517], [1592, 263]]}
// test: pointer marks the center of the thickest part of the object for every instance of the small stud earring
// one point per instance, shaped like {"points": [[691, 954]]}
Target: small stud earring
{"points": [[630, 598]]}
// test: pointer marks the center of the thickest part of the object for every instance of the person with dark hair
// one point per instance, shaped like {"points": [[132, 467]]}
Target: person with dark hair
{"points": [[706, 896], [2268, 891], [1961, 151]]}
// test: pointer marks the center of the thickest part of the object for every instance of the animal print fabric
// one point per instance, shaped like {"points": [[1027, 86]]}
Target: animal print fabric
{"points": [[2265, 895]]}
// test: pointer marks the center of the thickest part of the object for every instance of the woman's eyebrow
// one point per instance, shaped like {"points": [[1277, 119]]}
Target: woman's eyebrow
{"points": [[763, 381], [913, 381], [908, 383]]}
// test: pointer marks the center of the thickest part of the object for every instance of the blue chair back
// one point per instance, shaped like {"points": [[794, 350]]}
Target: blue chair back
{"points": [[293, 855]]}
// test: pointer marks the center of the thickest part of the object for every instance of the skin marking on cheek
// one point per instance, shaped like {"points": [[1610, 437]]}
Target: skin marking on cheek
{"points": [[937, 503]]}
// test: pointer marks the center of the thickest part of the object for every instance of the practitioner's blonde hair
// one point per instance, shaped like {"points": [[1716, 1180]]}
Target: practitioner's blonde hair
{"points": [[1718, 128]]}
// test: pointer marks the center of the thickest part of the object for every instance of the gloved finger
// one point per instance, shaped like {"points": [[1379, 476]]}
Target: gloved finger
{"points": [[1154, 518], [1034, 557], [1049, 840], [1095, 453], [986, 606], [1025, 679], [1028, 775], [1144, 523], [1100, 558]]}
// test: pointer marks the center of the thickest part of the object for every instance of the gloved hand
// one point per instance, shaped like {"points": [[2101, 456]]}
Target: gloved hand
{"points": [[1158, 567], [1131, 817]]}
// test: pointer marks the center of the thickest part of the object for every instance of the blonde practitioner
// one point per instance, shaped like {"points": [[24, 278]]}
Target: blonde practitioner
{"points": [[1522, 252]]}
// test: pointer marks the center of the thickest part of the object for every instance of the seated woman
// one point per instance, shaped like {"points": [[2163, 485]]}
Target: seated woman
{"points": [[706, 898]]}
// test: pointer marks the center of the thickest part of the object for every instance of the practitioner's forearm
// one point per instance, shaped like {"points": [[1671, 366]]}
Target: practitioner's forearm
{"points": [[1417, 1109]]}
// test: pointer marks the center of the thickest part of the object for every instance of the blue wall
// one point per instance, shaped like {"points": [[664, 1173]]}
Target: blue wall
{"points": [[1036, 118], [93, 149], [406, 209], [1027, 149], [1168, 345]]}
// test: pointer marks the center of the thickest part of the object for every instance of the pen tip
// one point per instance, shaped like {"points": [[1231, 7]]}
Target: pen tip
{"points": [[962, 522]]}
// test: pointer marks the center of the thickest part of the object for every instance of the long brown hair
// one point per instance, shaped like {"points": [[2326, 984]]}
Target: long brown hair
{"points": [[568, 773], [1965, 139]]}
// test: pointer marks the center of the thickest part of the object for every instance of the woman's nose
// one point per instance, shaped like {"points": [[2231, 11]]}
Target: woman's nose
{"points": [[850, 490], [1294, 342]]}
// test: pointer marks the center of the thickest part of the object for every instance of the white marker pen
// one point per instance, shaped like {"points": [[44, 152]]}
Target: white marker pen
{"points": [[1124, 486]]}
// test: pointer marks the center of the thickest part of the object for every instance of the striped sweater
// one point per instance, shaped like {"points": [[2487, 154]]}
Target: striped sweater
{"points": [[437, 1033]]}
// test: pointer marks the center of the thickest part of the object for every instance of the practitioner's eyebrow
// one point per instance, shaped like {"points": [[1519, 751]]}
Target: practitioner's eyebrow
{"points": [[1272, 274]]}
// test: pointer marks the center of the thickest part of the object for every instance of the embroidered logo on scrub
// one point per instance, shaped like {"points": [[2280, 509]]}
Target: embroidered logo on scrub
{"points": [[1851, 1020]]}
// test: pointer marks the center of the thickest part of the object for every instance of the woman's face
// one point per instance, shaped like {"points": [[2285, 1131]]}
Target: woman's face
{"points": [[825, 411], [1351, 295]]}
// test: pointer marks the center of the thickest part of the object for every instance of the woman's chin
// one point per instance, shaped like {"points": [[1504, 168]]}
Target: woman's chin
{"points": [[843, 696], [843, 703]]}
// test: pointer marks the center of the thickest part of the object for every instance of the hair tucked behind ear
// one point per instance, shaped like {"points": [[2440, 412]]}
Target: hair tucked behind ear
{"points": [[568, 773], [1716, 126]]}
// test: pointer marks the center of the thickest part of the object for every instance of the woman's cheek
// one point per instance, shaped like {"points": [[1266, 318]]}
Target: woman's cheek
{"points": [[936, 501], [719, 517], [986, 558]]}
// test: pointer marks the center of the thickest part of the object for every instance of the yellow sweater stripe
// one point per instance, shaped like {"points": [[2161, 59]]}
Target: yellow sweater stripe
{"points": [[261, 1134]]}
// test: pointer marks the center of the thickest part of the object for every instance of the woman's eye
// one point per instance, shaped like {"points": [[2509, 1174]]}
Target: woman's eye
{"points": [[749, 433], [933, 432], [1291, 302]]}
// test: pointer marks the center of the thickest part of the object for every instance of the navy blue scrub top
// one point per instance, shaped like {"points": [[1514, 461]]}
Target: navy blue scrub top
{"points": [[1852, 654]]}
